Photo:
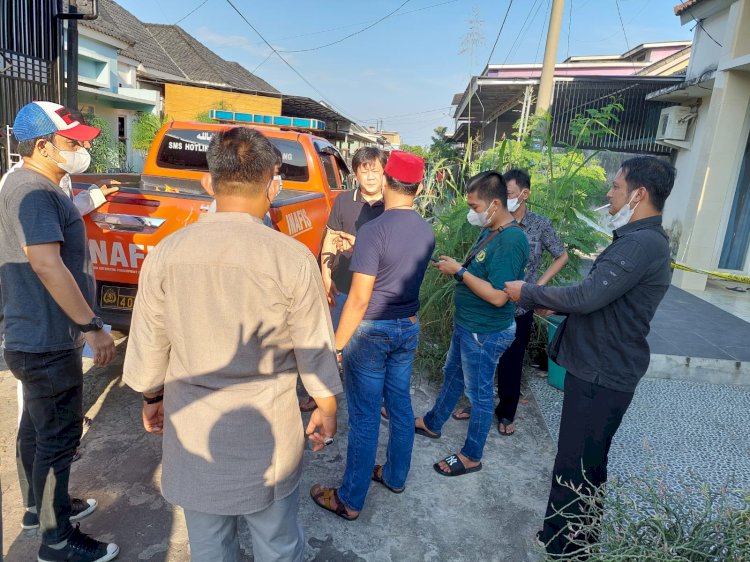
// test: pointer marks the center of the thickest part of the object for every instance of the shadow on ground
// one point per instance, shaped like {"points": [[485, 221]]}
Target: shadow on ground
{"points": [[491, 515]]}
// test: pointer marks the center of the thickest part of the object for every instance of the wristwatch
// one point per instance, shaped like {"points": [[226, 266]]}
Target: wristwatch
{"points": [[95, 324], [459, 275], [153, 400]]}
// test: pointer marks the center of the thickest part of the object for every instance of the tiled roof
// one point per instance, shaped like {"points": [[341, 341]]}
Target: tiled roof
{"points": [[684, 6], [200, 64], [103, 26], [146, 49]]}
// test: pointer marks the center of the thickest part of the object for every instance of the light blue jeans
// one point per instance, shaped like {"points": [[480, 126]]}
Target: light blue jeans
{"points": [[471, 362], [378, 362]]}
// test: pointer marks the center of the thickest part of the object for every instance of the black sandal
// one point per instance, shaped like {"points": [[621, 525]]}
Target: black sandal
{"points": [[425, 432], [455, 467]]}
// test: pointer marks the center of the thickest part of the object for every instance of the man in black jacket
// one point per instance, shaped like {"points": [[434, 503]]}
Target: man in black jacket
{"points": [[602, 343]]}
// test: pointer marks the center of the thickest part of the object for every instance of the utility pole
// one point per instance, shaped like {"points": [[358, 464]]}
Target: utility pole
{"points": [[544, 98]]}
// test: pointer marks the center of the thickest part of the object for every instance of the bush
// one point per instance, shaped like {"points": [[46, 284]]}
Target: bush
{"points": [[564, 183], [642, 520]]}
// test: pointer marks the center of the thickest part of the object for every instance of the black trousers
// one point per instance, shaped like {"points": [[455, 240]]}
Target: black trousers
{"points": [[510, 369], [591, 416], [49, 433]]}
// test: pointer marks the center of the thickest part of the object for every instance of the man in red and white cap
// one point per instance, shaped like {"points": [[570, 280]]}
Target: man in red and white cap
{"points": [[377, 338], [48, 290]]}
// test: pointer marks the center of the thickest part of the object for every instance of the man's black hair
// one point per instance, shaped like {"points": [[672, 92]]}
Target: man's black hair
{"points": [[656, 175], [521, 177], [26, 148], [240, 161], [401, 187], [368, 155], [489, 186]]}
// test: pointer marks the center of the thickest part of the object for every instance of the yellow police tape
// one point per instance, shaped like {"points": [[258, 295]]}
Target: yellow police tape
{"points": [[718, 274]]}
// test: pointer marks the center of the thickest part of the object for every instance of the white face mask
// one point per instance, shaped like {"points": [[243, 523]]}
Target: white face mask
{"points": [[623, 216], [76, 161], [479, 219], [513, 204]]}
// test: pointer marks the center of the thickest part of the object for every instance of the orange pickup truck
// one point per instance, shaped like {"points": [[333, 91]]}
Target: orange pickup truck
{"points": [[168, 195]]}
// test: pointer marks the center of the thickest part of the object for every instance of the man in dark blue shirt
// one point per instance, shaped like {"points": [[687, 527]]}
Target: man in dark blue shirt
{"points": [[602, 343], [378, 334]]}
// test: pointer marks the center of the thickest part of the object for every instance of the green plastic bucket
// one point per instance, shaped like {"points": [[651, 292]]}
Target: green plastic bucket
{"points": [[555, 373]]}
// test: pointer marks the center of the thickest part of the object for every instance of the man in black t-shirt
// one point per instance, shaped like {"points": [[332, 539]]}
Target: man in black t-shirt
{"points": [[349, 212], [379, 333]]}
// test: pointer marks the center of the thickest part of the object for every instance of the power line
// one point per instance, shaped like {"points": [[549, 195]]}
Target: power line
{"points": [[191, 12], [410, 114], [570, 22], [522, 29], [365, 22], [502, 25], [622, 25], [389, 14], [700, 24], [286, 62]]}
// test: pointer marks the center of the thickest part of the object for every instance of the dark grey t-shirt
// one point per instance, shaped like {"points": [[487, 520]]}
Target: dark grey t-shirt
{"points": [[395, 248], [33, 210]]}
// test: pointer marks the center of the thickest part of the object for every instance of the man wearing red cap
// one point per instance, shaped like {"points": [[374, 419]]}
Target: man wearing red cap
{"points": [[377, 337], [48, 289]]}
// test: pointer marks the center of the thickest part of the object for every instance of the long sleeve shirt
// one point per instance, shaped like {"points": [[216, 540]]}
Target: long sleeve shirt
{"points": [[228, 314], [603, 339]]}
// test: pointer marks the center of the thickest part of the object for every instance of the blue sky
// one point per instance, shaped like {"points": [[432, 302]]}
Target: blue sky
{"points": [[405, 69]]}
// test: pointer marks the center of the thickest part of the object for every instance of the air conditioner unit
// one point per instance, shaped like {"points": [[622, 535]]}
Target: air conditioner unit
{"points": [[673, 123]]}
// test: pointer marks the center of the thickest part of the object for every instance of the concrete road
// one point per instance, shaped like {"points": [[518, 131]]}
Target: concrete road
{"points": [[491, 515]]}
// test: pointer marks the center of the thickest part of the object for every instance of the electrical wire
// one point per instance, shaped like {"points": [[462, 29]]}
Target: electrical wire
{"points": [[622, 25], [385, 17], [522, 29], [191, 12], [410, 114], [570, 22], [700, 24], [286, 62], [363, 22], [502, 25]]}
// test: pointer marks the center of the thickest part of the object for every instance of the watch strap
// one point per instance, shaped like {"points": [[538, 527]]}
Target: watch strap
{"points": [[153, 399]]}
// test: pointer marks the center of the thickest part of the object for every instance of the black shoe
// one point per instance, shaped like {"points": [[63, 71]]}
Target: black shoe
{"points": [[80, 548], [79, 509]]}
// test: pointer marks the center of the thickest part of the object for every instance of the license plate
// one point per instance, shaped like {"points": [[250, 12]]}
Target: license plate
{"points": [[117, 298]]}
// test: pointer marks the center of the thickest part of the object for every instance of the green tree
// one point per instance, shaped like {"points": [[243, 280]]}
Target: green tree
{"points": [[144, 129], [105, 152], [416, 149], [440, 147], [203, 117]]}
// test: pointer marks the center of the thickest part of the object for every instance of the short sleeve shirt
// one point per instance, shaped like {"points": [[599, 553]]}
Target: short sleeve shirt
{"points": [[33, 211], [395, 249], [503, 258], [542, 236], [348, 214]]}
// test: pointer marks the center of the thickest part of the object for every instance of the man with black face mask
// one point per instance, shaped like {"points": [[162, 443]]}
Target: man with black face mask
{"points": [[47, 281]]}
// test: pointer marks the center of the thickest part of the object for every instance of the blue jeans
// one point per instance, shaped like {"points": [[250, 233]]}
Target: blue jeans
{"points": [[471, 362], [337, 309], [377, 364]]}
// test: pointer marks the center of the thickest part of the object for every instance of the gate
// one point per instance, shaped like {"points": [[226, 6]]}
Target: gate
{"points": [[31, 61]]}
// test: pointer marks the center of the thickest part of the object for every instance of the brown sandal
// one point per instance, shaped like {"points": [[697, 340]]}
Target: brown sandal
{"points": [[377, 476], [323, 496]]}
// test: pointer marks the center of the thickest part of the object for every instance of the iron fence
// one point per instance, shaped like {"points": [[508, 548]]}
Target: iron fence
{"points": [[30, 60]]}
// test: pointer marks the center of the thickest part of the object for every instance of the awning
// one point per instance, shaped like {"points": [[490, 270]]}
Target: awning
{"points": [[115, 100]]}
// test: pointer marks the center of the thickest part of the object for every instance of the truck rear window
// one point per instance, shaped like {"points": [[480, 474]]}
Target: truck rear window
{"points": [[185, 149]]}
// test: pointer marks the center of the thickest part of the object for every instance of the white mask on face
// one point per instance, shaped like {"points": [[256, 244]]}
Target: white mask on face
{"points": [[479, 219], [76, 161], [623, 216], [513, 204]]}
